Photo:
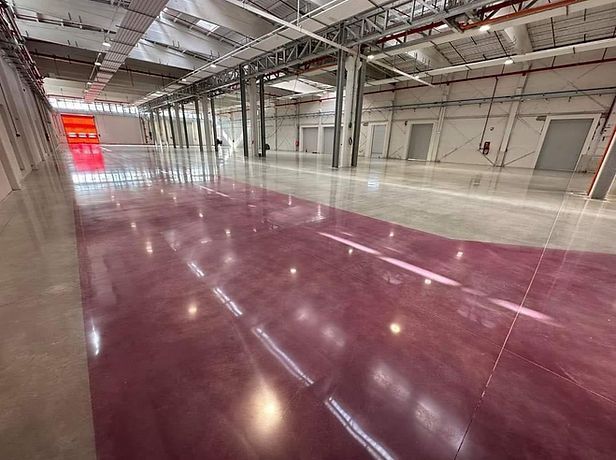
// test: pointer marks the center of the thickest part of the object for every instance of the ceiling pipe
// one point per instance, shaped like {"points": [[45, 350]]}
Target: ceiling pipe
{"points": [[459, 102], [518, 58], [122, 68], [460, 80], [406, 33], [519, 14], [485, 9], [498, 6], [510, 20], [500, 75]]}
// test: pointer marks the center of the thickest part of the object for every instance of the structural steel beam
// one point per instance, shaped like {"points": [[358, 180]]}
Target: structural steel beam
{"points": [[366, 28], [384, 31]]}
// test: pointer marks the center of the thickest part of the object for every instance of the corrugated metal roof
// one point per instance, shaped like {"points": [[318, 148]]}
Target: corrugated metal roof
{"points": [[587, 25]]}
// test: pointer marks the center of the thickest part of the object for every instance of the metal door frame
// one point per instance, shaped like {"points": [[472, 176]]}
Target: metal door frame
{"points": [[322, 136], [407, 144], [301, 136], [371, 126], [582, 116]]}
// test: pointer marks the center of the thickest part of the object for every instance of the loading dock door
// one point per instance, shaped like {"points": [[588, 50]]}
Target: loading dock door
{"points": [[80, 129], [419, 143], [563, 144], [310, 139], [378, 140], [328, 140]]}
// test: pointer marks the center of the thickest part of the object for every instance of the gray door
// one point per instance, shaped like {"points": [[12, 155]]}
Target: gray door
{"points": [[378, 140], [328, 140], [310, 139], [419, 143], [563, 144]]}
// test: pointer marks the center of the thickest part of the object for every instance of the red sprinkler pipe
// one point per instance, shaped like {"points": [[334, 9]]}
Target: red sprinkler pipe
{"points": [[519, 14]]}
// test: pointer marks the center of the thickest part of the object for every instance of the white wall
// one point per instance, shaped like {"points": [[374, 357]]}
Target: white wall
{"points": [[116, 129], [463, 125], [23, 141], [5, 186]]}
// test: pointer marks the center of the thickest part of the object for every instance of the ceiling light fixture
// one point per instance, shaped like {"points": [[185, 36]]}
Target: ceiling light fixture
{"points": [[508, 61], [213, 66], [98, 64], [484, 28], [184, 79], [370, 57], [107, 44]]}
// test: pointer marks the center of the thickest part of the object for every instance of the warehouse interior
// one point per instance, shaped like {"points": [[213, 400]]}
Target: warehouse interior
{"points": [[315, 229]]}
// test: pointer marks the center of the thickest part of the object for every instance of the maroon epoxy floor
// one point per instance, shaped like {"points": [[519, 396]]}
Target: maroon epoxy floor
{"points": [[228, 321]]}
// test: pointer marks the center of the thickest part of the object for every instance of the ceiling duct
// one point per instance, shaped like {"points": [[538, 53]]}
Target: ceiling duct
{"points": [[137, 20]]}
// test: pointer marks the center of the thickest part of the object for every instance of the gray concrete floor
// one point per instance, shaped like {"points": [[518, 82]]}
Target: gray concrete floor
{"points": [[44, 390], [516, 206], [44, 393]]}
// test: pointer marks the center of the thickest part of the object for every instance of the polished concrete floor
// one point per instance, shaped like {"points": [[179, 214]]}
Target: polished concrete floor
{"points": [[172, 304]]}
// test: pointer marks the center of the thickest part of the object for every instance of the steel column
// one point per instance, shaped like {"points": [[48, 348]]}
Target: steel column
{"points": [[152, 127], [604, 178], [171, 126], [187, 144], [178, 126], [254, 124], [359, 103], [206, 127], [243, 104], [161, 122], [338, 114], [213, 110], [199, 135], [262, 115]]}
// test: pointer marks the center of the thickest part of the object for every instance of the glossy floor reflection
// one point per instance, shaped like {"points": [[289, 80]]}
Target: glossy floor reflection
{"points": [[227, 318], [243, 310]]}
